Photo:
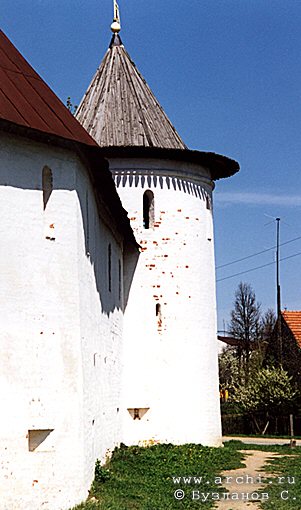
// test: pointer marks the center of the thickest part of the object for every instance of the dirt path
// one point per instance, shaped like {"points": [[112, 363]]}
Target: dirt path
{"points": [[243, 483]]}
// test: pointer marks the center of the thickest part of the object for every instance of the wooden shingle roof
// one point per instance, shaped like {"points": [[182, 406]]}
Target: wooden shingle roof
{"points": [[123, 116], [119, 109], [293, 321]]}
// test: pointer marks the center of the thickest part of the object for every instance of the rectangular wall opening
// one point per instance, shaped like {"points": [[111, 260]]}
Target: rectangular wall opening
{"points": [[137, 413], [38, 440]]}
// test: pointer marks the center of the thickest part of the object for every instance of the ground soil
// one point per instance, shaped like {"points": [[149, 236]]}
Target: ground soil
{"points": [[254, 467]]}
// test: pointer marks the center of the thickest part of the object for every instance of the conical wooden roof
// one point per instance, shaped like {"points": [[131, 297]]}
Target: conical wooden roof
{"points": [[120, 110]]}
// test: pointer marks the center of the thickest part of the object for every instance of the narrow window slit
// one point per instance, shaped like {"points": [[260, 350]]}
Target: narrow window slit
{"points": [[110, 267], [159, 316], [119, 280], [88, 225], [148, 209], [47, 185]]}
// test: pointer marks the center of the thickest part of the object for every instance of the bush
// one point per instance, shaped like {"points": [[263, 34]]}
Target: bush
{"points": [[269, 391], [101, 475]]}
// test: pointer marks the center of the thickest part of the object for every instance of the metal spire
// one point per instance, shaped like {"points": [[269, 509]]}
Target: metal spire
{"points": [[116, 26]]}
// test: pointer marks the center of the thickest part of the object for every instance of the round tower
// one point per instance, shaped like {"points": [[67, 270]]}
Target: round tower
{"points": [[170, 375]]}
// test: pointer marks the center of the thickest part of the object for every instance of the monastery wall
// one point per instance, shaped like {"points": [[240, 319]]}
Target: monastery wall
{"points": [[171, 370], [100, 272], [60, 329]]}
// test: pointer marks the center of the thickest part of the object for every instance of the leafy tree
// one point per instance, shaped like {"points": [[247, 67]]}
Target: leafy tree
{"points": [[228, 369], [269, 391], [245, 325]]}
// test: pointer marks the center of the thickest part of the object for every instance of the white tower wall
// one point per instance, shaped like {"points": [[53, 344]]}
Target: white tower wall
{"points": [[171, 371]]}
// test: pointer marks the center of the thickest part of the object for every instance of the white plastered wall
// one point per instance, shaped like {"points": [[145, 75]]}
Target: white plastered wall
{"points": [[171, 371], [101, 322], [60, 329]]}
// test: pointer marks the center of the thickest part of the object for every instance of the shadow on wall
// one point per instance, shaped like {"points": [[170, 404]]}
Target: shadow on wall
{"points": [[124, 255], [130, 261], [115, 263]]}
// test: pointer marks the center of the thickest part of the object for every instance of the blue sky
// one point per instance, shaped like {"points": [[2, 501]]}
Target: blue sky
{"points": [[227, 73]]}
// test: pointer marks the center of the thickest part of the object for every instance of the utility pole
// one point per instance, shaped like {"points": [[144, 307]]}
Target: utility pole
{"points": [[279, 325]]}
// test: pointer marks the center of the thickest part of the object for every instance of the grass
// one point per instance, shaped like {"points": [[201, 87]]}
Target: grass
{"points": [[142, 478], [287, 494]]}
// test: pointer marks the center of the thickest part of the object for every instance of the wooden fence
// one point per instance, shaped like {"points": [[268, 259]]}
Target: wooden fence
{"points": [[242, 424]]}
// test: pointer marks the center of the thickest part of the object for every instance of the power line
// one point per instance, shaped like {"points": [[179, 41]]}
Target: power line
{"points": [[258, 253], [258, 267]]}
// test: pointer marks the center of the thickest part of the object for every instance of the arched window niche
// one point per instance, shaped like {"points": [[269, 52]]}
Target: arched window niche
{"points": [[208, 203], [148, 209], [47, 185], [159, 316]]}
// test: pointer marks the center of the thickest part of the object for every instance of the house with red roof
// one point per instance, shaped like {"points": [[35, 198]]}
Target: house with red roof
{"points": [[285, 346], [292, 323], [291, 343]]}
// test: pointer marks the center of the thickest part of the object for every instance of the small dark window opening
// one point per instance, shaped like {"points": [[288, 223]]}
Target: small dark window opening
{"points": [[159, 316], [148, 209], [47, 185], [88, 224], [119, 279], [208, 203], [136, 414], [110, 267]]}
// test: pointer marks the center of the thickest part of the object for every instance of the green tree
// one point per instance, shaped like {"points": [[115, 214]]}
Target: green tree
{"points": [[269, 392], [228, 369]]}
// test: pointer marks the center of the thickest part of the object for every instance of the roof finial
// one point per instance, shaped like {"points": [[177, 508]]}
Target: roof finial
{"points": [[116, 27]]}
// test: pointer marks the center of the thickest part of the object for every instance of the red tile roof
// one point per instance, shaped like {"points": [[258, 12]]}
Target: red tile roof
{"points": [[26, 100], [293, 321]]}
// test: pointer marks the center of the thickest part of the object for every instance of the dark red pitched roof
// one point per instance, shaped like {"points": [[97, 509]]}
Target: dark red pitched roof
{"points": [[235, 342], [26, 100], [293, 321], [229, 340]]}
